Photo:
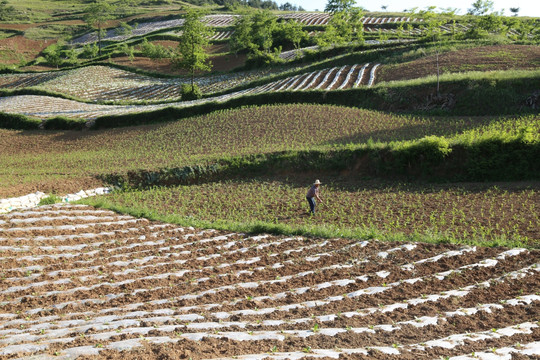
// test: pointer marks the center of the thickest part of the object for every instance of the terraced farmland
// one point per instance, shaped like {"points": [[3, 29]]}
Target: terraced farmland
{"points": [[44, 107], [96, 83], [227, 21], [80, 281]]}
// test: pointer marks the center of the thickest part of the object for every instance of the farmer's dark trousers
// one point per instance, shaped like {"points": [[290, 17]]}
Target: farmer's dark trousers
{"points": [[311, 202]]}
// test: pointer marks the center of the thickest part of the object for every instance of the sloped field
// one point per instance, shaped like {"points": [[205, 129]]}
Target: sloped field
{"points": [[44, 107], [97, 83], [79, 281]]}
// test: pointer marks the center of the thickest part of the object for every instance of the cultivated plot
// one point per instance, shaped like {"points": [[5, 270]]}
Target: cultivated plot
{"points": [[80, 281], [44, 107]]}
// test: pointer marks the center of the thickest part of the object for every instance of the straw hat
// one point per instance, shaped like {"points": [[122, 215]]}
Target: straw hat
{"points": [[317, 182]]}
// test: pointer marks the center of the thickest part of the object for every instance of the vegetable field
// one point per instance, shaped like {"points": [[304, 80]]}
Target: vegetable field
{"points": [[77, 281], [469, 213], [44, 107], [103, 83]]}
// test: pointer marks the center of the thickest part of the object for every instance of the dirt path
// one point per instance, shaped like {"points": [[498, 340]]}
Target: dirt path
{"points": [[485, 58]]}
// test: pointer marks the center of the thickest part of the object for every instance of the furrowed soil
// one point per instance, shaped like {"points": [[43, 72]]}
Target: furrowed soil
{"points": [[484, 58], [78, 282]]}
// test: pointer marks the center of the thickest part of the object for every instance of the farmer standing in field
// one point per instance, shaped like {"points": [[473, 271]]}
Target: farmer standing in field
{"points": [[313, 193]]}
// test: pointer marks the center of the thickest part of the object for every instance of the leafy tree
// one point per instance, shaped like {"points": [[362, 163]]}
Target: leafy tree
{"points": [[431, 26], [481, 7], [241, 37], [292, 31], [96, 15], [254, 31], [90, 51], [450, 14], [72, 56], [263, 25], [384, 7], [53, 55], [344, 27], [514, 10], [124, 29], [6, 11], [128, 51], [154, 51], [193, 41], [336, 6], [491, 23]]}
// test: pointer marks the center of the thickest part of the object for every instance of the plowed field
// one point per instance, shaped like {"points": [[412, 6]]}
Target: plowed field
{"points": [[77, 281]]}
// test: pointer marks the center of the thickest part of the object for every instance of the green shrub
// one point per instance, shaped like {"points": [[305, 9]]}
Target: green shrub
{"points": [[18, 122], [191, 92], [50, 200], [63, 123]]}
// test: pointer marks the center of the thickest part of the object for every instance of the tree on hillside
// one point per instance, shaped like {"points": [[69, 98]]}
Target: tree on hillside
{"points": [[480, 7], [514, 10], [384, 7], [192, 47], [431, 26], [450, 14], [292, 31], [253, 31], [344, 27], [6, 11], [336, 6], [96, 15]]}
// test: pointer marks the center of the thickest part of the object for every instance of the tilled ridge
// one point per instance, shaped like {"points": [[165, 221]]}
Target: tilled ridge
{"points": [[78, 282]]}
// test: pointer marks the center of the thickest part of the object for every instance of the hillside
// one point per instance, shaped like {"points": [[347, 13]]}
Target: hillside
{"points": [[152, 207]]}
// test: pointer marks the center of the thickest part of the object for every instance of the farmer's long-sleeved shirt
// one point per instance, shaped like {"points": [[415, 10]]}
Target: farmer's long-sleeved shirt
{"points": [[313, 191]]}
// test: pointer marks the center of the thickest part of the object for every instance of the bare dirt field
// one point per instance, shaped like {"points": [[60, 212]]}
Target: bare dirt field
{"points": [[81, 282], [485, 58], [17, 48]]}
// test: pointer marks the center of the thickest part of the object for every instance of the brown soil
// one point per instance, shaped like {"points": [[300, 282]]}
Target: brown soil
{"points": [[14, 48], [52, 186], [485, 58], [22, 27], [222, 63], [153, 252]]}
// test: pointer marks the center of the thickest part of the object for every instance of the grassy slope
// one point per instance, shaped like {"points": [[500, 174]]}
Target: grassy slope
{"points": [[254, 130]]}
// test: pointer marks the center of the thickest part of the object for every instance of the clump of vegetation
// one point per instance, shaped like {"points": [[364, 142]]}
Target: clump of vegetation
{"points": [[50, 200]]}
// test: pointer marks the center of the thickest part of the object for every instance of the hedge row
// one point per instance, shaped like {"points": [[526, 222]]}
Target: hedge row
{"points": [[432, 158]]}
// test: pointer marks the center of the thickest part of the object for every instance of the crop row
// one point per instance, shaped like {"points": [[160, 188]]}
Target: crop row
{"points": [[46, 107], [111, 84], [323, 19], [78, 281]]}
